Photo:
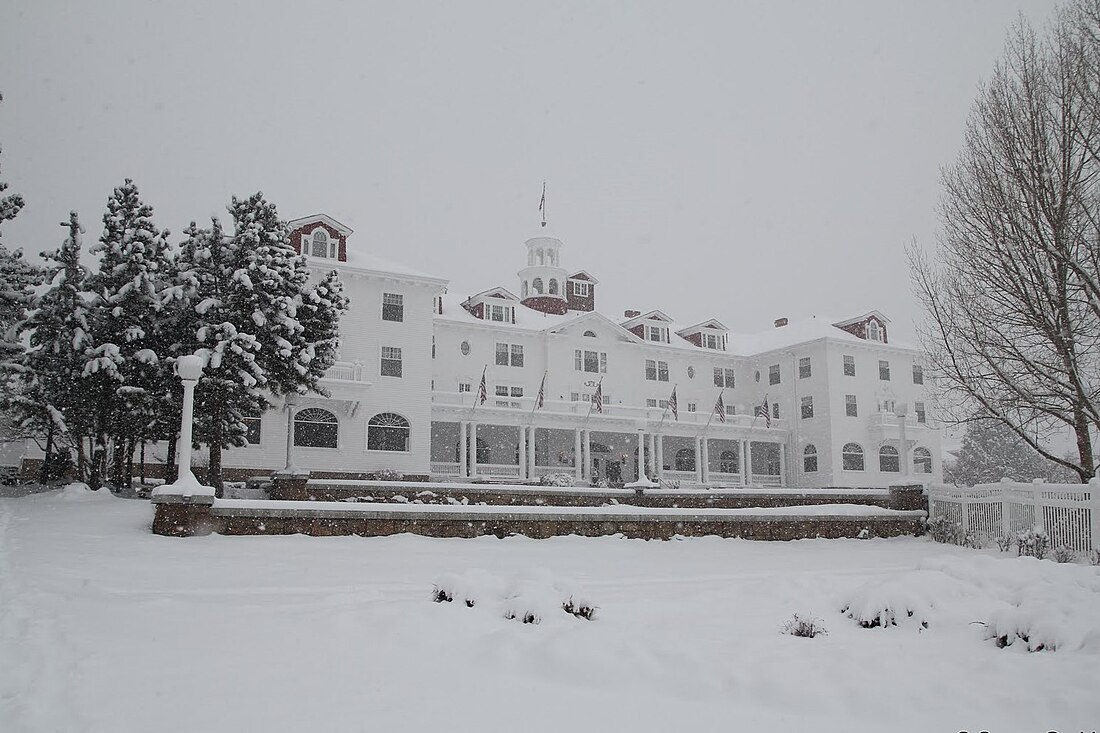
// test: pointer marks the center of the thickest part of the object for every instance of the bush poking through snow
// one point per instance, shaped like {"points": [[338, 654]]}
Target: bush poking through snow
{"points": [[864, 534], [387, 474], [942, 529], [891, 602], [440, 595], [557, 479], [1064, 554], [1094, 557], [1005, 542], [527, 617], [804, 626], [580, 609], [1035, 542]]}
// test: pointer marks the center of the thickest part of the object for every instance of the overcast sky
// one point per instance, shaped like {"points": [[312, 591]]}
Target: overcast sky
{"points": [[738, 160]]}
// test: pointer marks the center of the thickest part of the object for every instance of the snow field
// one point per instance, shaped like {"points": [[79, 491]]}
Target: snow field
{"points": [[104, 626]]}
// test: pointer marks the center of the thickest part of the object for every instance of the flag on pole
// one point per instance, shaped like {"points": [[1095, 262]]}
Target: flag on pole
{"points": [[542, 203], [482, 390], [673, 406], [542, 393], [764, 412], [720, 408], [597, 399]]}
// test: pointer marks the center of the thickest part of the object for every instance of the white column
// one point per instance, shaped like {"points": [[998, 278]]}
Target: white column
{"points": [[652, 462], [531, 453], [291, 401], [782, 462], [706, 461], [473, 449], [641, 456], [745, 475], [587, 466], [748, 462], [463, 451], [522, 460], [578, 457], [698, 460], [659, 455]]}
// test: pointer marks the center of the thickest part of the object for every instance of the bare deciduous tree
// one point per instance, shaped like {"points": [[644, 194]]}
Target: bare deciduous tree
{"points": [[1012, 292]]}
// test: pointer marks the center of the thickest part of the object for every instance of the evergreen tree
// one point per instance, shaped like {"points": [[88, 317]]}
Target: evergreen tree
{"points": [[320, 312], [128, 292], [50, 396], [992, 451]]}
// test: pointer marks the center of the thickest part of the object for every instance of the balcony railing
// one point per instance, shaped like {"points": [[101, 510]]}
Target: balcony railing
{"points": [[345, 371]]}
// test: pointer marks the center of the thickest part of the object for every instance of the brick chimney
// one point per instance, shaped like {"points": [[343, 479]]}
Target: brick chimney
{"points": [[780, 322], [631, 314]]}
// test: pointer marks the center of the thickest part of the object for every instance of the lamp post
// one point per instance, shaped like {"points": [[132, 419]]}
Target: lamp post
{"points": [[902, 411], [291, 400], [189, 370]]}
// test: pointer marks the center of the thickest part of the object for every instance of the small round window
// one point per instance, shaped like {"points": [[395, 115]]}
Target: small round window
{"points": [[465, 348], [691, 372]]}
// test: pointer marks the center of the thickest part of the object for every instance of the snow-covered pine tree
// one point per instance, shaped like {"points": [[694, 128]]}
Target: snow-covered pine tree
{"points": [[320, 312], [128, 292], [50, 396], [992, 451]]}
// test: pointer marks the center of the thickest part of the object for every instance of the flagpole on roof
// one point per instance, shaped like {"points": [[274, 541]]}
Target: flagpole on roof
{"points": [[542, 204]]}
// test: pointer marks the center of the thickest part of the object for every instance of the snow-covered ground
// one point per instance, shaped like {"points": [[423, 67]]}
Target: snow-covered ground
{"points": [[106, 627]]}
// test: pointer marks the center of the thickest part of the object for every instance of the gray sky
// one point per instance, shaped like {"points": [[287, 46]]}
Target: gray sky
{"points": [[738, 160]]}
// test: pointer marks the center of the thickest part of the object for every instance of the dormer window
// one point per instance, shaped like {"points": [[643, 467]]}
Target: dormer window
{"points": [[323, 245], [502, 313], [714, 341], [657, 333], [873, 331], [581, 289]]}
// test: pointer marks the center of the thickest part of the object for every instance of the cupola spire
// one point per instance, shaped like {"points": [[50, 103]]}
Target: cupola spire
{"points": [[542, 204]]}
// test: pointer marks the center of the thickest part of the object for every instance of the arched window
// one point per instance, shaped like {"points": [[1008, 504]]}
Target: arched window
{"points": [[542, 258], [536, 285], [388, 431], [525, 288], [590, 334], [552, 256], [922, 460], [852, 457], [809, 459], [315, 428], [872, 331], [888, 459], [320, 243], [553, 289], [685, 459], [727, 461]]}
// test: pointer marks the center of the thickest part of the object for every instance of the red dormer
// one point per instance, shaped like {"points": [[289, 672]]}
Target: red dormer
{"points": [[870, 326], [320, 237], [496, 304], [710, 334], [652, 326], [580, 293]]}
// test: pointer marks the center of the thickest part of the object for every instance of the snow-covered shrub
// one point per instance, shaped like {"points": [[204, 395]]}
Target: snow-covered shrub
{"points": [[387, 474], [1034, 542], [892, 602], [671, 485], [579, 608], [601, 483], [1093, 557], [943, 530], [532, 598], [1005, 542], [1064, 554], [556, 479], [864, 534], [805, 626]]}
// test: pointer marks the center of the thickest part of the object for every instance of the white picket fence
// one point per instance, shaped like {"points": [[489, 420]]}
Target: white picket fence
{"points": [[1069, 513]]}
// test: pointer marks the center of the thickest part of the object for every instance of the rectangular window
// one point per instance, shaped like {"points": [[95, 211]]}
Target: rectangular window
{"points": [[578, 360], [691, 407], [918, 374], [662, 371], [656, 333], [850, 408], [849, 366], [581, 289], [252, 428], [714, 341], [603, 362], [393, 307], [804, 367], [501, 391], [884, 371], [391, 361], [773, 374], [517, 355], [651, 370], [775, 411], [502, 354], [500, 313], [807, 407], [650, 403], [718, 377], [575, 396], [731, 409], [591, 361], [729, 378], [918, 407], [517, 391], [809, 462]]}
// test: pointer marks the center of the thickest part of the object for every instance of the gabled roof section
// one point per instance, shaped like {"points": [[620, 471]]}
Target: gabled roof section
{"points": [[500, 293], [712, 324], [877, 315], [585, 276], [654, 315], [314, 218], [597, 322]]}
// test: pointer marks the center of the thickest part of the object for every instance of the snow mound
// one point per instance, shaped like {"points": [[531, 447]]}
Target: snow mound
{"points": [[78, 491], [530, 598]]}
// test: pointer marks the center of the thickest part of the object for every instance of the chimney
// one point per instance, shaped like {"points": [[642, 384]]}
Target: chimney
{"points": [[631, 314], [780, 322]]}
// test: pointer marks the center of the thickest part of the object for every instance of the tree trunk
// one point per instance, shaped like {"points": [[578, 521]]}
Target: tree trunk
{"points": [[143, 463], [81, 460], [214, 470], [44, 474], [170, 472], [118, 462], [129, 472], [1084, 445]]}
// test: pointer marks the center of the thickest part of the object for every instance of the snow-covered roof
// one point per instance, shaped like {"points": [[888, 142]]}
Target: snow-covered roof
{"points": [[860, 319], [587, 277], [797, 332], [372, 263], [313, 218], [696, 327], [653, 315]]}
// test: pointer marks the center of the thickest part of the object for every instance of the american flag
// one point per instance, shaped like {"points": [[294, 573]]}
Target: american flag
{"points": [[482, 390], [542, 393], [597, 399], [673, 406], [764, 412], [720, 408]]}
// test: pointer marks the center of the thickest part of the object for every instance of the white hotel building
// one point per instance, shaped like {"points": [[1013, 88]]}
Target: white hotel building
{"points": [[846, 407]]}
